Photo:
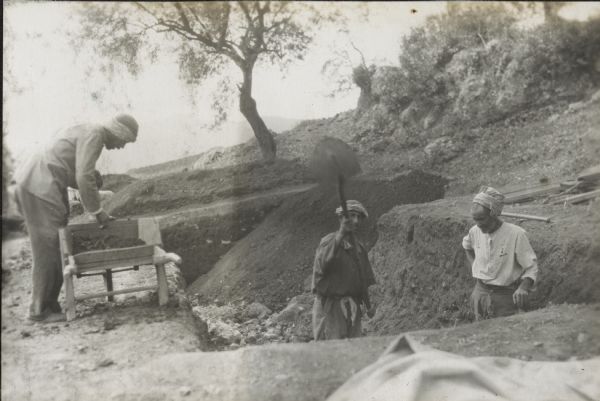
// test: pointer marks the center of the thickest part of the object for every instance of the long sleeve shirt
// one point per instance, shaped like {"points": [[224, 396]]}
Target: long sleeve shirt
{"points": [[337, 272], [501, 257], [68, 161]]}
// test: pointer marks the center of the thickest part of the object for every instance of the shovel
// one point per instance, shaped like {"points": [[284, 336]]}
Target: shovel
{"points": [[333, 162]]}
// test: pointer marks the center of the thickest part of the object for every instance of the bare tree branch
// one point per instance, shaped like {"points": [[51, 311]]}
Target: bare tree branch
{"points": [[362, 56]]}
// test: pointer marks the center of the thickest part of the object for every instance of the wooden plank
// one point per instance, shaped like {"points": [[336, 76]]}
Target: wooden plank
{"points": [[517, 190], [520, 196], [101, 273], [108, 255], [115, 264], [69, 297], [65, 242], [163, 288], [583, 197], [109, 284], [525, 216], [590, 174], [117, 292]]}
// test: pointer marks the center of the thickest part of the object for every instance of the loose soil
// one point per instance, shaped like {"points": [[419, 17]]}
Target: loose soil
{"points": [[49, 361], [201, 234], [81, 243], [116, 182]]}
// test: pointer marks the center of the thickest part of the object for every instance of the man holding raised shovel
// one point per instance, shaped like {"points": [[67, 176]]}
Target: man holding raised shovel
{"points": [[341, 272]]}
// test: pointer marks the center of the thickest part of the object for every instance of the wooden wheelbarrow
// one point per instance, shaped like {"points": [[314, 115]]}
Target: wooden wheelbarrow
{"points": [[108, 261]]}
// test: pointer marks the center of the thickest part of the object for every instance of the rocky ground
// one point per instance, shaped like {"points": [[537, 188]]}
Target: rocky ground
{"points": [[132, 350], [42, 361]]}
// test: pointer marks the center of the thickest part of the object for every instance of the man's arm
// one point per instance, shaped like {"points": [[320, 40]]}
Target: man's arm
{"points": [[470, 256], [527, 259], [88, 151], [469, 251]]}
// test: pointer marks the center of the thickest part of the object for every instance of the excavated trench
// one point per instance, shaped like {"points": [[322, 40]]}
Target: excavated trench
{"points": [[248, 265], [258, 292], [425, 282]]}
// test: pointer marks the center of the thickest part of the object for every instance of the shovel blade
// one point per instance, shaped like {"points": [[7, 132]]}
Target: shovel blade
{"points": [[332, 158]]}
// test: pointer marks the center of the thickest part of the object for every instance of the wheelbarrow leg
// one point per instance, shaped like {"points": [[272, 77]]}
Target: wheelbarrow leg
{"points": [[69, 295], [163, 289], [109, 284]]}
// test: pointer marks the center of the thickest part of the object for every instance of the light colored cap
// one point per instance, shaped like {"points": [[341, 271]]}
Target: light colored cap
{"points": [[353, 206]]}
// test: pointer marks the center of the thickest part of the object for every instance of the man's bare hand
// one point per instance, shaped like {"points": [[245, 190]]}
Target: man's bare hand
{"points": [[520, 297], [102, 218], [346, 225]]}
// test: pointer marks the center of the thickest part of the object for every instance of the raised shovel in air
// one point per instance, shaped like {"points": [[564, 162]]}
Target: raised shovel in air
{"points": [[333, 162]]}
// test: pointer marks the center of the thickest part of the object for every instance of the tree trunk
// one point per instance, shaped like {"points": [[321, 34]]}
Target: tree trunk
{"points": [[266, 142]]}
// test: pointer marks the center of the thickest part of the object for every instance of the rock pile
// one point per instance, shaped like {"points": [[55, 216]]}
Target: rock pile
{"points": [[232, 326]]}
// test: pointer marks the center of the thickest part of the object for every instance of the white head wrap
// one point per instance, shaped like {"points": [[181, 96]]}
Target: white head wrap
{"points": [[353, 206], [490, 198], [120, 130]]}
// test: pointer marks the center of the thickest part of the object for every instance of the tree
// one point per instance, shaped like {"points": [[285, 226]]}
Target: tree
{"points": [[344, 73], [206, 37]]}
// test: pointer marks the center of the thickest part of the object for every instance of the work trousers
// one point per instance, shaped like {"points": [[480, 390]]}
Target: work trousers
{"points": [[489, 301], [333, 318], [43, 219]]}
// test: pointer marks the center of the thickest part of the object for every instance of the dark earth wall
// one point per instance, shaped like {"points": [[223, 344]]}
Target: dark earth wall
{"points": [[422, 273], [274, 262]]}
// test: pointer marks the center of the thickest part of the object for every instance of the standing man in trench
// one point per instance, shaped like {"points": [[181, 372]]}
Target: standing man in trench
{"points": [[69, 160], [341, 277], [502, 260]]}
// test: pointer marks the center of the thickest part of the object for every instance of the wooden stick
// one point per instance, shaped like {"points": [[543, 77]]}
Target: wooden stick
{"points": [[525, 216], [117, 292], [69, 292], [163, 287], [583, 197], [525, 194]]}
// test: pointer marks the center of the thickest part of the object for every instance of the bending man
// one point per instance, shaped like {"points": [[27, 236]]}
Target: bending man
{"points": [[341, 277], [69, 160], [502, 260]]}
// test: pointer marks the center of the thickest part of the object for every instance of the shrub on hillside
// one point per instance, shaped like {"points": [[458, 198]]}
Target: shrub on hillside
{"points": [[478, 65]]}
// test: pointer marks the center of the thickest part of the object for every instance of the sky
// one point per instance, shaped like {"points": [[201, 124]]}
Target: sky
{"points": [[48, 89]]}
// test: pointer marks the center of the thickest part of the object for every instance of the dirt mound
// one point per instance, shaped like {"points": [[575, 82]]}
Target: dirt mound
{"points": [[84, 244], [203, 240], [116, 182], [274, 262], [169, 192], [424, 280]]}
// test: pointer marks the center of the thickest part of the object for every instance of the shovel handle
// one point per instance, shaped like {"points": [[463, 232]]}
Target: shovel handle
{"points": [[340, 187]]}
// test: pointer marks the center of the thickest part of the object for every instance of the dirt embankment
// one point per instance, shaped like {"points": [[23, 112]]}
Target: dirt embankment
{"points": [[274, 262], [167, 193], [424, 281], [116, 182], [203, 240]]}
